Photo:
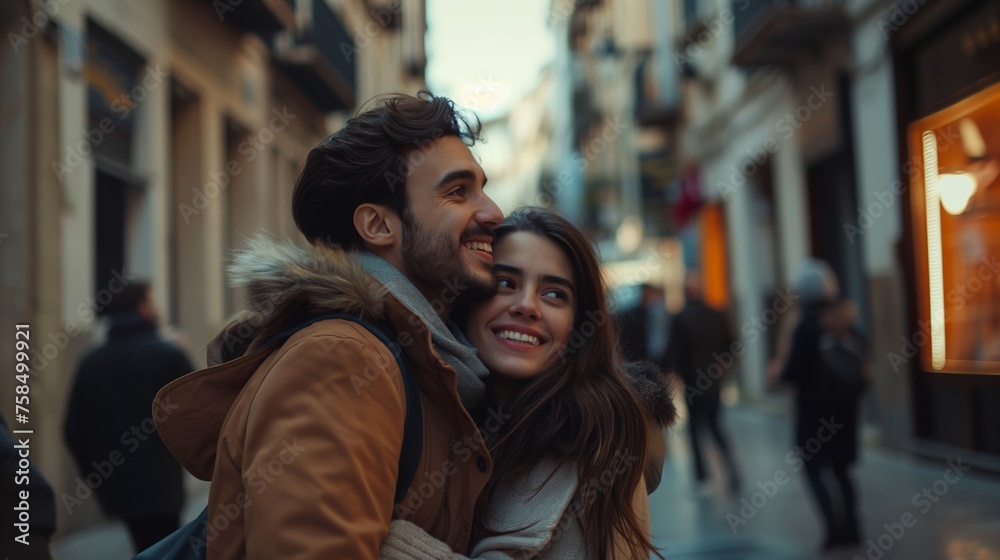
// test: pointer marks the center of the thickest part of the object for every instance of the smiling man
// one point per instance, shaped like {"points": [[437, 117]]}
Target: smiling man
{"points": [[400, 230]]}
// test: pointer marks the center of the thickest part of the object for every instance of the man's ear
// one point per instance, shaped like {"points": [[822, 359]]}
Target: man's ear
{"points": [[377, 225]]}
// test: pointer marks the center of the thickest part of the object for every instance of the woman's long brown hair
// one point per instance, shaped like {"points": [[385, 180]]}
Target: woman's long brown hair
{"points": [[583, 410]]}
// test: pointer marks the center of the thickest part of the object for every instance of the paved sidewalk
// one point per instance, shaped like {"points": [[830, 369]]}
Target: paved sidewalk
{"points": [[957, 520], [691, 523]]}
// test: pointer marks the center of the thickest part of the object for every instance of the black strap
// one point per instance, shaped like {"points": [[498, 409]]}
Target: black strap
{"points": [[413, 429]]}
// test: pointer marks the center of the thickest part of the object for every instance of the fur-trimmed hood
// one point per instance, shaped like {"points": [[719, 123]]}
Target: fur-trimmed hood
{"points": [[281, 279]]}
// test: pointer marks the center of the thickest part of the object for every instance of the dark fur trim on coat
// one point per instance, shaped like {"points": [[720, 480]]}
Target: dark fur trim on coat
{"points": [[654, 390]]}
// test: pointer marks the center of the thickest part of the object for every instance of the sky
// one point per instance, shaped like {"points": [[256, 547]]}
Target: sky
{"points": [[487, 54]]}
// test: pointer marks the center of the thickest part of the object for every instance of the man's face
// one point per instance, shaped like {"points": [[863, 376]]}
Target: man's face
{"points": [[448, 233]]}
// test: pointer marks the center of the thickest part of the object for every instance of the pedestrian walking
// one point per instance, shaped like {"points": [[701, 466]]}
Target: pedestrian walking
{"points": [[109, 425], [827, 365], [699, 335]]}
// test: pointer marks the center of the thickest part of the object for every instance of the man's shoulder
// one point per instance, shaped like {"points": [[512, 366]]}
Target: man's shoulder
{"points": [[342, 344]]}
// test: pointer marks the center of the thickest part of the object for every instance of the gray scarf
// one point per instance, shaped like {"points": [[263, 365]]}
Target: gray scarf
{"points": [[448, 340]]}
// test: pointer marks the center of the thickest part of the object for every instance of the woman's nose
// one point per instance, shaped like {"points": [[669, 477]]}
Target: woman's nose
{"points": [[525, 306]]}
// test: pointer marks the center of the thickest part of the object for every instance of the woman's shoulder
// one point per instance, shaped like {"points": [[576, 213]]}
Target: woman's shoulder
{"points": [[536, 511], [549, 481]]}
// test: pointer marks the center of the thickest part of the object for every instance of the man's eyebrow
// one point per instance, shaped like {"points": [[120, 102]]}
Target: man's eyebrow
{"points": [[458, 175]]}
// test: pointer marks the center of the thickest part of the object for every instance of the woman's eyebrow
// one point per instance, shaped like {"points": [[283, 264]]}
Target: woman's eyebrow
{"points": [[552, 279], [547, 278], [509, 269]]}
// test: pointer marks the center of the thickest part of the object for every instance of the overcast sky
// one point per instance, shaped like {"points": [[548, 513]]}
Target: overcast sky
{"points": [[486, 54]]}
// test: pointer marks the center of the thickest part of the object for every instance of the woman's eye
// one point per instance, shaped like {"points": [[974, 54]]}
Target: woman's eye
{"points": [[556, 294], [505, 283]]}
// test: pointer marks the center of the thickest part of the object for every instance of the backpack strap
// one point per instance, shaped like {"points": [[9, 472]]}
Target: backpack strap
{"points": [[413, 428]]}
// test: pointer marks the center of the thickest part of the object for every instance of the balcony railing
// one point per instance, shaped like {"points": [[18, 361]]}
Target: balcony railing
{"points": [[771, 32], [260, 17], [321, 59]]}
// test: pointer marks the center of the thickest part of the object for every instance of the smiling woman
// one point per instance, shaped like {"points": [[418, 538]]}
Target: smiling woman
{"points": [[523, 330], [568, 466]]}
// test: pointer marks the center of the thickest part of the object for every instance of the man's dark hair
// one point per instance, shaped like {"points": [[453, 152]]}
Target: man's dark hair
{"points": [[369, 160], [128, 300]]}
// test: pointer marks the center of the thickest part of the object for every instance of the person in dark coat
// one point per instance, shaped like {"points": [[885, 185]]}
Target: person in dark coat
{"points": [[110, 426], [700, 352], [826, 427], [40, 503], [643, 330]]}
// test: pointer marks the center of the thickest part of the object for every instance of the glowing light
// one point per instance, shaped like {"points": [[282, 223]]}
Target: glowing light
{"points": [[629, 235], [956, 189], [934, 266]]}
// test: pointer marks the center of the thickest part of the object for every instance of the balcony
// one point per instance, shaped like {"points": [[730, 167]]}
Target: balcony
{"points": [[772, 32], [657, 98], [320, 58], [264, 18]]}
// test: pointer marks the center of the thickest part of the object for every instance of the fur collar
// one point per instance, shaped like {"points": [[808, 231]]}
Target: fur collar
{"points": [[281, 279]]}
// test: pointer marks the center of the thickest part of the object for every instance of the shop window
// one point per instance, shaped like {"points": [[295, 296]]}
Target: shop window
{"points": [[955, 196]]}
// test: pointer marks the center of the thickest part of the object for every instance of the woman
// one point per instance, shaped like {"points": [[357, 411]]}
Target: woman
{"points": [[568, 471]]}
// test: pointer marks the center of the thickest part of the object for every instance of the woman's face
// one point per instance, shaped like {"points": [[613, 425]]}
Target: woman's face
{"points": [[522, 330]]}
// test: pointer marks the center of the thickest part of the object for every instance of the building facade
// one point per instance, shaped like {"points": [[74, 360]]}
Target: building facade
{"points": [[807, 124], [147, 140]]}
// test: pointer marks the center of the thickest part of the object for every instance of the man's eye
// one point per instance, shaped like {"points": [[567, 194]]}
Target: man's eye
{"points": [[457, 191]]}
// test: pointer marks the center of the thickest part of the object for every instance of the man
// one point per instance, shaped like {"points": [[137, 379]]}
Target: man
{"points": [[699, 337], [302, 442], [109, 425]]}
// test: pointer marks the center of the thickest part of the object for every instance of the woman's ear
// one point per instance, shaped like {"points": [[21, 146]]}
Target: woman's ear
{"points": [[377, 225]]}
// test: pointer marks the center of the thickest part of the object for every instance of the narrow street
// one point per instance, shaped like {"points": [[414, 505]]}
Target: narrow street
{"points": [[956, 521]]}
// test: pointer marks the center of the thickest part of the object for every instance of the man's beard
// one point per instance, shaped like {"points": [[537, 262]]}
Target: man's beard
{"points": [[438, 268]]}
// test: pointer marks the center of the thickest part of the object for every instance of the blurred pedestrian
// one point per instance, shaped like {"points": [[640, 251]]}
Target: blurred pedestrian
{"points": [[39, 503], [827, 365], [643, 330], [110, 427], [700, 339]]}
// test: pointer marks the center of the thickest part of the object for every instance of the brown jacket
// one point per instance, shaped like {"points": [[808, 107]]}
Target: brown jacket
{"points": [[302, 441]]}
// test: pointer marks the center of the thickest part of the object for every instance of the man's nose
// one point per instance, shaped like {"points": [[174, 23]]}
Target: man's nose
{"points": [[488, 214]]}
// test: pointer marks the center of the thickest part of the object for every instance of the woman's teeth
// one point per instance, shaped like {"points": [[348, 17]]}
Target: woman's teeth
{"points": [[519, 337]]}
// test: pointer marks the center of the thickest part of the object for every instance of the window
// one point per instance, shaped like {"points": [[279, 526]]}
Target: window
{"points": [[955, 199]]}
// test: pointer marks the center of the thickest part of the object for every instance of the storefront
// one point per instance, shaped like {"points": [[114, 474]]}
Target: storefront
{"points": [[947, 60]]}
